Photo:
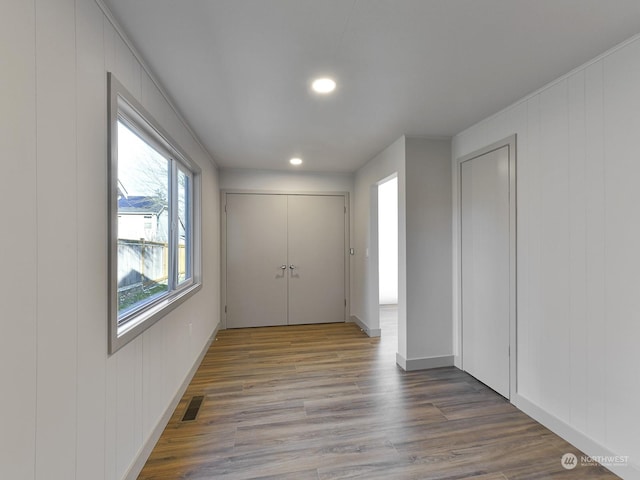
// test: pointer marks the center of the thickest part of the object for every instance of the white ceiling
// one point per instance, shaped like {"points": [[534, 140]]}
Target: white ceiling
{"points": [[239, 70]]}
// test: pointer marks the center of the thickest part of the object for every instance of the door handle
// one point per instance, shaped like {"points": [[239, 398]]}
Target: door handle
{"points": [[292, 267], [283, 267]]}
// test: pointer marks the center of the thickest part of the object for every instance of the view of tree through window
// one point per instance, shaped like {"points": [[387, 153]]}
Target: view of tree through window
{"points": [[184, 187], [143, 221], [154, 220]]}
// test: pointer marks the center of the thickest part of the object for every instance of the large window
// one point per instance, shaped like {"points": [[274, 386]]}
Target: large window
{"points": [[153, 204]]}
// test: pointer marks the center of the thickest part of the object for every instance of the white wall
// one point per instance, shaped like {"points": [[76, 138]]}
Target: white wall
{"points": [[428, 203], [424, 248], [578, 259], [295, 181], [68, 410], [364, 293], [388, 241]]}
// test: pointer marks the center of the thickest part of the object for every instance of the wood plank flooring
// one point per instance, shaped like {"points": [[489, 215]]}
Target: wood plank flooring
{"points": [[326, 402]]}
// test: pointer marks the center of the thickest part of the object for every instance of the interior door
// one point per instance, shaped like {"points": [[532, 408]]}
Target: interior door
{"points": [[257, 268], [485, 268], [316, 259]]}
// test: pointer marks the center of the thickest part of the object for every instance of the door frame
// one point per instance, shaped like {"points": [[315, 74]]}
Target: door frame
{"points": [[223, 242], [511, 144]]}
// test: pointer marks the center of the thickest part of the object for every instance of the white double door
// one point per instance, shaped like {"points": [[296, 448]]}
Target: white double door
{"points": [[285, 259]]}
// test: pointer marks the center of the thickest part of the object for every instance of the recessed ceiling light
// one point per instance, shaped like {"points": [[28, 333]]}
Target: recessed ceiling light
{"points": [[323, 85], [295, 161]]}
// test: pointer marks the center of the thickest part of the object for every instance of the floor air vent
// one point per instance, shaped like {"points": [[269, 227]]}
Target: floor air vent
{"points": [[193, 408]]}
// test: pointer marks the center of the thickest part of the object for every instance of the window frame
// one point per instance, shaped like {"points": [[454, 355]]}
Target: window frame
{"points": [[122, 106], [178, 167]]}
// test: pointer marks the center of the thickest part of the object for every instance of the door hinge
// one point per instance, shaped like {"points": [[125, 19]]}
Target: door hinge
{"points": [[345, 209], [345, 302], [225, 309], [225, 208]]}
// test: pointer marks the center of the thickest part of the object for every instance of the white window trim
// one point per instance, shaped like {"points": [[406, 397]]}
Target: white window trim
{"points": [[122, 103]]}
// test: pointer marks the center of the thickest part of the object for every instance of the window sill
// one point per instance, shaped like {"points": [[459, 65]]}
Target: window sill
{"points": [[145, 319]]}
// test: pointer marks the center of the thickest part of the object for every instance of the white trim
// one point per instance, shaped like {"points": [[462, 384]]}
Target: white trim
{"points": [[573, 436], [372, 332], [457, 361], [425, 363], [145, 451]]}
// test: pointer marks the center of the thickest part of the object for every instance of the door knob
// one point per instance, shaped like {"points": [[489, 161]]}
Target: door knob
{"points": [[283, 267], [292, 267]]}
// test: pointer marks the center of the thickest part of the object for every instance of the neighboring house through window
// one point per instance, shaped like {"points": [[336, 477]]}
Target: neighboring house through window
{"points": [[154, 260]]}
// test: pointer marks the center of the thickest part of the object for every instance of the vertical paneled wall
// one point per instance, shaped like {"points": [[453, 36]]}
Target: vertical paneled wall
{"points": [[578, 291], [18, 241], [68, 410]]}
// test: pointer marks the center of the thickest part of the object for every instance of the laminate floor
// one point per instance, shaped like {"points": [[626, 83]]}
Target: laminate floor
{"points": [[327, 402]]}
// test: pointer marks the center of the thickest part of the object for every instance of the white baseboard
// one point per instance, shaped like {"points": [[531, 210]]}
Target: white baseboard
{"points": [[146, 449], [411, 364], [457, 361], [372, 332], [581, 441]]}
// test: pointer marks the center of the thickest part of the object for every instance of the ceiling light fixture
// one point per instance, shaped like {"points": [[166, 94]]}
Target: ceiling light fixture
{"points": [[295, 161], [323, 85]]}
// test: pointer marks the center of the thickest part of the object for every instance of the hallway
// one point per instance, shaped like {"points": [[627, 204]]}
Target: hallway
{"points": [[327, 402]]}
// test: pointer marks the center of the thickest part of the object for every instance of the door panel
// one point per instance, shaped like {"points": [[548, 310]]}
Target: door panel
{"points": [[316, 250], [485, 268], [256, 249]]}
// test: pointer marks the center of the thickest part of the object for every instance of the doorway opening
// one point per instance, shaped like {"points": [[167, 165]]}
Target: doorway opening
{"points": [[388, 260]]}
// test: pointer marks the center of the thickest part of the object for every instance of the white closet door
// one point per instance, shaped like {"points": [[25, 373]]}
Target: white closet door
{"points": [[256, 253], [316, 252], [485, 268]]}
